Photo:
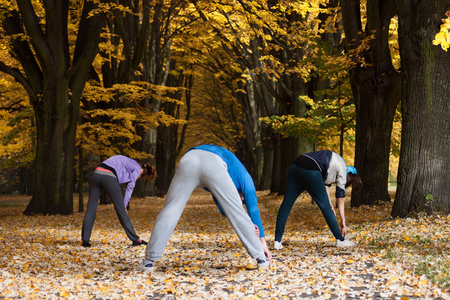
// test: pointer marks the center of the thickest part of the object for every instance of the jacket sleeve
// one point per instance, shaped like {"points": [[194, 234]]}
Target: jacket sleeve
{"points": [[251, 203], [218, 205], [129, 189], [341, 178]]}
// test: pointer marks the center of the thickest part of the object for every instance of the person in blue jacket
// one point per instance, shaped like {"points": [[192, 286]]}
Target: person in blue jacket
{"points": [[219, 171], [315, 172], [109, 175]]}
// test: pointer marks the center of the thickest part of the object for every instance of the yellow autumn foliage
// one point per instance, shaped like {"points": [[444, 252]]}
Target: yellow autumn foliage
{"points": [[442, 38]]}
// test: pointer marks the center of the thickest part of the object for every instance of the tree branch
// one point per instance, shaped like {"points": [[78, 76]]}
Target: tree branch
{"points": [[34, 30], [14, 72]]}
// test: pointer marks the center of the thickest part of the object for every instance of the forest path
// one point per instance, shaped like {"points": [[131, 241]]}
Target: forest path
{"points": [[41, 256]]}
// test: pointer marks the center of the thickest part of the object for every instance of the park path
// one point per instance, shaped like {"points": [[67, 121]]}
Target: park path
{"points": [[40, 258]]}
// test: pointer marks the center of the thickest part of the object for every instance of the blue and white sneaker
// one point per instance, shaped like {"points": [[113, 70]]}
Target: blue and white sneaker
{"points": [[263, 264], [145, 266]]}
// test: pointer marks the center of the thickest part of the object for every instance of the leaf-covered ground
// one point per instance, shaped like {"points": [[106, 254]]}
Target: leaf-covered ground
{"points": [[41, 257]]}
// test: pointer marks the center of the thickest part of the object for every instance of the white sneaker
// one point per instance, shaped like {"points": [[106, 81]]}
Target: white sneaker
{"points": [[277, 245], [344, 243], [263, 264], [145, 267]]}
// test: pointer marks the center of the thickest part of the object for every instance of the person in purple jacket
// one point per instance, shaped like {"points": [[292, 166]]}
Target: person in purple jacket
{"points": [[109, 175]]}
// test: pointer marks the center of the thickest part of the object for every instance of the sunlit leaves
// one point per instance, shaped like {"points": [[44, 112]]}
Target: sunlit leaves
{"points": [[16, 125], [393, 43], [114, 130], [442, 38]]}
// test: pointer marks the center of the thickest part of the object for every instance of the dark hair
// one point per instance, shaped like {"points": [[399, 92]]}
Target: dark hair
{"points": [[355, 181], [149, 171]]}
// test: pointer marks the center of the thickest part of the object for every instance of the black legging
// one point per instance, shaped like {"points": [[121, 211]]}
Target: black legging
{"points": [[112, 187], [298, 180]]}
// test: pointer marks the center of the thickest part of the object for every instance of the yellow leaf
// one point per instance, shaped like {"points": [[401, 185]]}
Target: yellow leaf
{"points": [[422, 282]]}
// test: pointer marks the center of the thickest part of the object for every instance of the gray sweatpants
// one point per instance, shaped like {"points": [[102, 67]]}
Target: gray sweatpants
{"points": [[98, 181], [199, 168]]}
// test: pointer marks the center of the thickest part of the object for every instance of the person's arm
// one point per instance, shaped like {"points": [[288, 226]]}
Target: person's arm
{"points": [[341, 207], [128, 192], [252, 209], [263, 241], [266, 250], [130, 186], [329, 199]]}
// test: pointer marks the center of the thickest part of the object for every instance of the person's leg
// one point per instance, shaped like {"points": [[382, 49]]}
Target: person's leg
{"points": [[313, 182], [292, 191], [91, 209], [216, 178], [183, 184], [114, 191]]}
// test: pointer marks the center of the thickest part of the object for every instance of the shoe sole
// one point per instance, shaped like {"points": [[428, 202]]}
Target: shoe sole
{"points": [[345, 246], [277, 247], [264, 265], [143, 268]]}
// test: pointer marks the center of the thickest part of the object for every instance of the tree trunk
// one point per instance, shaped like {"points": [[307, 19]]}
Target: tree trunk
{"points": [[166, 155], [267, 145], [54, 84], [26, 180], [53, 184], [148, 145], [377, 100], [376, 91], [423, 174], [80, 180]]}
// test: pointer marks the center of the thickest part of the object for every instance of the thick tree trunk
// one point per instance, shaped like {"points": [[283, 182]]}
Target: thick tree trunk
{"points": [[55, 128], [377, 96], [424, 172], [376, 91], [54, 84]]}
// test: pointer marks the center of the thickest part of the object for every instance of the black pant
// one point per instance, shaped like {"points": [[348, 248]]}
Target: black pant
{"points": [[112, 187]]}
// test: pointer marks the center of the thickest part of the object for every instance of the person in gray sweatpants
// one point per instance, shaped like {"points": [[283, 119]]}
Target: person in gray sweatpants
{"points": [[207, 166]]}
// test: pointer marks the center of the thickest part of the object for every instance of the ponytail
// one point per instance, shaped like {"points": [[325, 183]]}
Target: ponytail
{"points": [[355, 181], [149, 171]]}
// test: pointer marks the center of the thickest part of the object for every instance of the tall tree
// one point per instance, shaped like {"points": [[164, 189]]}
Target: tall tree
{"points": [[376, 89], [124, 41], [54, 77], [424, 172], [267, 40], [136, 72], [165, 65]]}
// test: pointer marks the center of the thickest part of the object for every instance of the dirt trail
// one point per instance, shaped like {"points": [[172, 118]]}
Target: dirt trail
{"points": [[41, 258]]}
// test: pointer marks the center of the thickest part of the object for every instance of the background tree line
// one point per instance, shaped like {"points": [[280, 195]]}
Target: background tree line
{"points": [[83, 80]]}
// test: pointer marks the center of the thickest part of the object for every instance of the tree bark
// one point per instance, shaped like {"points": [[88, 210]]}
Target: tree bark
{"points": [[54, 84], [423, 174], [376, 91], [54, 153]]}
